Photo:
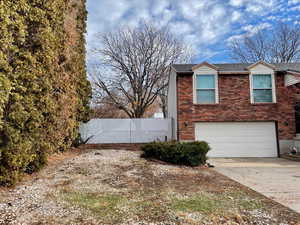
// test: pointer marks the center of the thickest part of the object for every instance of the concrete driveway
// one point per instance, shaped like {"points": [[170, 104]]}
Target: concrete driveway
{"points": [[276, 178]]}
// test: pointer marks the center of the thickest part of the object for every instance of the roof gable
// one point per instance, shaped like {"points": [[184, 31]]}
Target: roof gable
{"points": [[261, 63], [204, 64]]}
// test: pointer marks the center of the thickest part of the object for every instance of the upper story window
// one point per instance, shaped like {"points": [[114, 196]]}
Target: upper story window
{"points": [[206, 89], [262, 88]]}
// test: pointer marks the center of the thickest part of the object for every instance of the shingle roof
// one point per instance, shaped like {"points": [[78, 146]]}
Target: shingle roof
{"points": [[238, 67]]}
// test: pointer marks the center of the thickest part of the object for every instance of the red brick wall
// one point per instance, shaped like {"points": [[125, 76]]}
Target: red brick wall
{"points": [[234, 105]]}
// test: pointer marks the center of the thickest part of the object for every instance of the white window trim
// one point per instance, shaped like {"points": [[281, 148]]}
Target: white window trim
{"points": [[274, 99], [195, 88]]}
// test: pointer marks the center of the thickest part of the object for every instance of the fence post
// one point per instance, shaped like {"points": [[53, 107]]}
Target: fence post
{"points": [[130, 131]]}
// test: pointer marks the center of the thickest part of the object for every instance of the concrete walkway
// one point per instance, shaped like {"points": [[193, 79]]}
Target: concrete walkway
{"points": [[278, 179]]}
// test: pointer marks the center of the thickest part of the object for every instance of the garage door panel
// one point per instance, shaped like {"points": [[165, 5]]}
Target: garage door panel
{"points": [[252, 131], [239, 139]]}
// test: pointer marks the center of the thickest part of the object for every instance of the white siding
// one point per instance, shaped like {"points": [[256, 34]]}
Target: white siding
{"points": [[205, 70], [290, 80], [172, 103], [260, 68]]}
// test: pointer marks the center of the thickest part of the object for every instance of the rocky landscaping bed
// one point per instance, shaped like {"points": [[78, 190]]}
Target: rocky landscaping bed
{"points": [[118, 187]]}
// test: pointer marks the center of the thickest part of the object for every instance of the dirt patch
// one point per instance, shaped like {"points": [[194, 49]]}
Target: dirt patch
{"points": [[118, 187]]}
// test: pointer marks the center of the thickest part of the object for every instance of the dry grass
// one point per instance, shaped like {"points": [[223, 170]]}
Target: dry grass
{"points": [[118, 187]]}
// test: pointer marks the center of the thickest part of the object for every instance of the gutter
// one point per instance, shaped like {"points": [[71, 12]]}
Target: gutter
{"points": [[239, 72]]}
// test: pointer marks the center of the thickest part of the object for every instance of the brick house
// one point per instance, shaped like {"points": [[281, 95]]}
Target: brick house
{"points": [[242, 110]]}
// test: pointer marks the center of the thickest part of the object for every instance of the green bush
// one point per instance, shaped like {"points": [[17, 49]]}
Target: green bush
{"points": [[38, 163], [188, 153]]}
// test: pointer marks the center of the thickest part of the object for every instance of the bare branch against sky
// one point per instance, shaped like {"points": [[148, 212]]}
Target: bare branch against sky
{"points": [[134, 65], [282, 44]]}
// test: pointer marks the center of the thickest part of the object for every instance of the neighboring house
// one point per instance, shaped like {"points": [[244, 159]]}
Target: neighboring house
{"points": [[241, 110], [158, 115]]}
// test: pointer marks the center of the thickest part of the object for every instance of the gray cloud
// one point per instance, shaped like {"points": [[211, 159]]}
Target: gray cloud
{"points": [[201, 23]]}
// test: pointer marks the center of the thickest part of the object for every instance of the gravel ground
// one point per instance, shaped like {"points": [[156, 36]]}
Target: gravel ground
{"points": [[118, 187]]}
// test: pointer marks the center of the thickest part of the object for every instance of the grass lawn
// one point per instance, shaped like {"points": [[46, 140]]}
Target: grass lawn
{"points": [[118, 187]]}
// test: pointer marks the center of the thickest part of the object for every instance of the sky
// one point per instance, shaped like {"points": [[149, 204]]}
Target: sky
{"points": [[207, 25]]}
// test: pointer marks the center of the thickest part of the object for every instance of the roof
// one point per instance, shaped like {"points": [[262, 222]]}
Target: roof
{"points": [[237, 67]]}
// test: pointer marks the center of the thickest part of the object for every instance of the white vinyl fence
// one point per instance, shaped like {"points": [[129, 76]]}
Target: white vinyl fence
{"points": [[126, 130]]}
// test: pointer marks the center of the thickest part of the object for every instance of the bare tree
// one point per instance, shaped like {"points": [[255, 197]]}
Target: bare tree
{"points": [[282, 44], [135, 64], [102, 107]]}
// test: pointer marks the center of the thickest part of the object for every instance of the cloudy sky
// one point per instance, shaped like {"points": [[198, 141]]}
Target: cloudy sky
{"points": [[207, 25]]}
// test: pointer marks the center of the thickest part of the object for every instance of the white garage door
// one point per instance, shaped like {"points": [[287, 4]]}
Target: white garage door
{"points": [[238, 139]]}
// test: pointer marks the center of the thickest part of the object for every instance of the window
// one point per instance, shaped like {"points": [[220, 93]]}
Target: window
{"points": [[206, 89], [262, 88]]}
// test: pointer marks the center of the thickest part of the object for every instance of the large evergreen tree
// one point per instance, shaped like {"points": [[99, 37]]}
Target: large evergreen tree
{"points": [[44, 92]]}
